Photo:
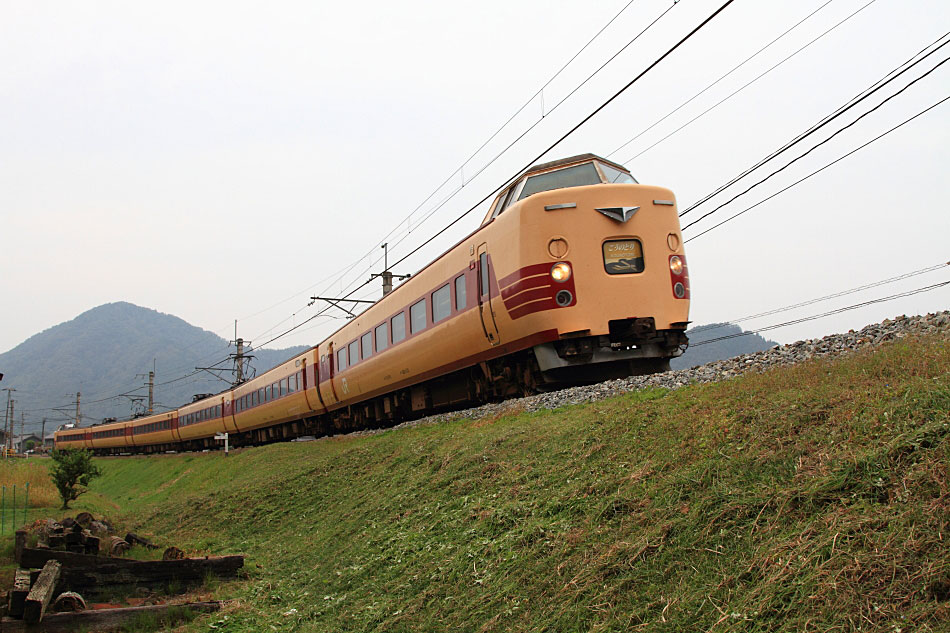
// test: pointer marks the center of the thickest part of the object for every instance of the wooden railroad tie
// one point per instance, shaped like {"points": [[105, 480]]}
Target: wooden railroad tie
{"points": [[41, 593]]}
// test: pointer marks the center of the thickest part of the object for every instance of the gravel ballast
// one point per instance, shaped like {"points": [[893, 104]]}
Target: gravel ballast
{"points": [[832, 345]]}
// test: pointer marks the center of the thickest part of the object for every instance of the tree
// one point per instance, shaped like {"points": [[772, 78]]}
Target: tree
{"points": [[71, 472]]}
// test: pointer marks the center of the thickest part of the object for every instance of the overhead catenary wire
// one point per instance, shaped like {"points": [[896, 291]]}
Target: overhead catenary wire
{"points": [[836, 295], [709, 86], [460, 169], [817, 145], [867, 92], [746, 85], [549, 148], [819, 170], [536, 123], [571, 131], [863, 304]]}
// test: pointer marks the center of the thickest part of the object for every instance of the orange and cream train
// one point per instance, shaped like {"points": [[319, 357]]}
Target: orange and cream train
{"points": [[576, 274]]}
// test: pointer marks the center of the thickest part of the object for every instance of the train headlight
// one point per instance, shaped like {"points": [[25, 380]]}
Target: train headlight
{"points": [[676, 265], [561, 272]]}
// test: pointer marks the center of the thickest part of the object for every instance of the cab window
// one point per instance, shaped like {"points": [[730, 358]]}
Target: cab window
{"points": [[574, 176], [613, 175]]}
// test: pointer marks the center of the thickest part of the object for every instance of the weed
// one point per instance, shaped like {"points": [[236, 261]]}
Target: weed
{"points": [[808, 498]]}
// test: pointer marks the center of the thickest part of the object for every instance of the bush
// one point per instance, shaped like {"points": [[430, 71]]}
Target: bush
{"points": [[71, 472]]}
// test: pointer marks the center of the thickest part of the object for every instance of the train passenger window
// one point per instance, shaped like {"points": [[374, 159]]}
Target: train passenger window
{"points": [[382, 340], [341, 359], [239, 405], [292, 383], [217, 411], [274, 391], [483, 273], [417, 316], [574, 176], [267, 393], [460, 292], [300, 381], [354, 353], [283, 387], [441, 303], [366, 343], [399, 327], [612, 174]]}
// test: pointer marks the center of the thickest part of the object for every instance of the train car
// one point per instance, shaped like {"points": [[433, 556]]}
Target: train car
{"points": [[72, 438], [151, 434], [576, 274], [271, 406]]}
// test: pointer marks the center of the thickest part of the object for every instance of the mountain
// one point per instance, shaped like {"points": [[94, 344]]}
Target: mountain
{"points": [[701, 352], [104, 352]]}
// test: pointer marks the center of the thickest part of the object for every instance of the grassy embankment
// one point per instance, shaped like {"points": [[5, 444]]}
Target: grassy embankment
{"points": [[815, 498]]}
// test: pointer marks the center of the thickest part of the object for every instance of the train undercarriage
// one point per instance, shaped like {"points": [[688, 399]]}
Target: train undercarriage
{"points": [[632, 348]]}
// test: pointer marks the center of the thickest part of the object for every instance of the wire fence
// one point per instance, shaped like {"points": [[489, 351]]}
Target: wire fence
{"points": [[14, 507]]}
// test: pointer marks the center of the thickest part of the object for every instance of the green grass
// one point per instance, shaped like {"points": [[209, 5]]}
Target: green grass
{"points": [[815, 498]]}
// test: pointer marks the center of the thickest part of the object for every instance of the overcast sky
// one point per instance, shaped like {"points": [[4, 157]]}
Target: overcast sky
{"points": [[223, 160]]}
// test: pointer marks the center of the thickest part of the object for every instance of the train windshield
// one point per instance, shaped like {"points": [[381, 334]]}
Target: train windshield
{"points": [[612, 174], [574, 176]]}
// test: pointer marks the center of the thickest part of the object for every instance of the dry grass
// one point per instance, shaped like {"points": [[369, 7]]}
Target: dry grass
{"points": [[19, 472]]}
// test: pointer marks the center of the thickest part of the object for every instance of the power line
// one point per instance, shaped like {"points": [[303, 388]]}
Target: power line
{"points": [[816, 146], [534, 125], [835, 295], [731, 95], [829, 313], [549, 148], [837, 160], [573, 129], [460, 169], [864, 94], [703, 91]]}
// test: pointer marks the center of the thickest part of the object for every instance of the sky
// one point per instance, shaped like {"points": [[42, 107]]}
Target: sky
{"points": [[225, 161]]}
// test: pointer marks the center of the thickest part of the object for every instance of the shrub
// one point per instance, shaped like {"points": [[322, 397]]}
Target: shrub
{"points": [[71, 472]]}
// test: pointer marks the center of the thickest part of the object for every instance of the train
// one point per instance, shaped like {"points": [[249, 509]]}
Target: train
{"points": [[576, 274]]}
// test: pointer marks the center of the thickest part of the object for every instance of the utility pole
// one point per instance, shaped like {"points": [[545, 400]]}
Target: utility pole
{"points": [[78, 416], [43, 436], [6, 416], [387, 275], [239, 358], [239, 361], [9, 442], [151, 391], [22, 424]]}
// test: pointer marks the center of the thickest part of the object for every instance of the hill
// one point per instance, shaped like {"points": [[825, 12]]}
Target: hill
{"points": [[701, 352], [811, 497], [100, 352]]}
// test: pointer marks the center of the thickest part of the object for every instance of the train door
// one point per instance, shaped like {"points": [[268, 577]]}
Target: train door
{"points": [[484, 296], [326, 376], [176, 433]]}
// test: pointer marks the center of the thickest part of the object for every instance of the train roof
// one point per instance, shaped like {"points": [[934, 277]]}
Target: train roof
{"points": [[580, 158]]}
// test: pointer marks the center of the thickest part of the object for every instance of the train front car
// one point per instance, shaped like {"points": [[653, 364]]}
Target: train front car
{"points": [[590, 262]]}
